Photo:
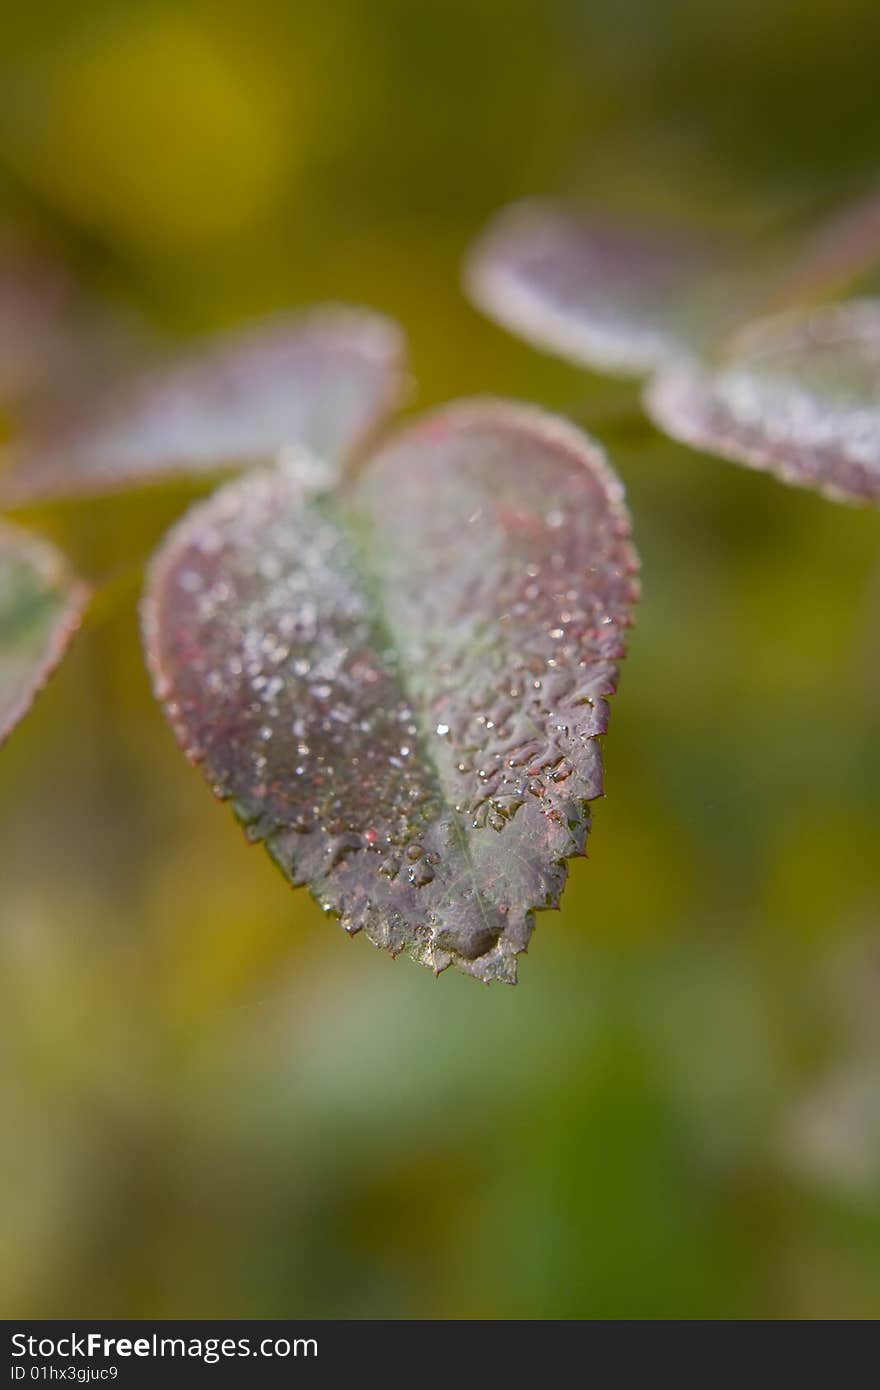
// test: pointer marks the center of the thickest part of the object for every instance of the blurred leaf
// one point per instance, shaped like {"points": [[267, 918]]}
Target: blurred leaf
{"points": [[58, 338], [40, 609], [797, 395], [838, 251], [35, 302], [400, 686], [608, 295], [321, 380], [630, 298]]}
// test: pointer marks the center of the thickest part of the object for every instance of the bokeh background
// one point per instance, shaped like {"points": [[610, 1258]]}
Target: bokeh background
{"points": [[213, 1104]]}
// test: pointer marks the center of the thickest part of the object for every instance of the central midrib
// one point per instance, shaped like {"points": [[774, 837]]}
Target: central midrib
{"points": [[347, 518]]}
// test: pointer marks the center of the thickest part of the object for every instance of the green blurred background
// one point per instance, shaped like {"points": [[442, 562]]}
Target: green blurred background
{"points": [[213, 1104]]}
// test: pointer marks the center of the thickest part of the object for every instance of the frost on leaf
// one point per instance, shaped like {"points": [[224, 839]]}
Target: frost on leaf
{"points": [[400, 686], [40, 609], [612, 296], [319, 381], [797, 395]]}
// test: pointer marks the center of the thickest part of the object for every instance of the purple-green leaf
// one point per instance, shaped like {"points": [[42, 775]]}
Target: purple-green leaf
{"points": [[319, 381], [613, 296], [400, 685], [797, 395], [633, 298], [40, 609]]}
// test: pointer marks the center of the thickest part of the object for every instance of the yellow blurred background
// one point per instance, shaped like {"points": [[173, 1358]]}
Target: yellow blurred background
{"points": [[213, 1104]]}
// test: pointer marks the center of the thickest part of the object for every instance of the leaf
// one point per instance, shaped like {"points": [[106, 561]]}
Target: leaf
{"points": [[35, 297], [832, 256], [797, 395], [634, 298], [320, 381], [400, 686], [40, 609], [612, 296]]}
